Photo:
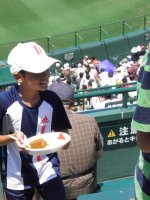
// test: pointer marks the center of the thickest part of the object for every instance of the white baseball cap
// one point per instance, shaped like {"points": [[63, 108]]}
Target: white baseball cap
{"points": [[66, 66], [29, 57]]}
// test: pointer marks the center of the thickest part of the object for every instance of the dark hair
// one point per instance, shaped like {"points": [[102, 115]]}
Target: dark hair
{"points": [[131, 77], [93, 57], [110, 75], [84, 87], [73, 65], [90, 83], [102, 70], [81, 74], [88, 76], [124, 80], [22, 72]]}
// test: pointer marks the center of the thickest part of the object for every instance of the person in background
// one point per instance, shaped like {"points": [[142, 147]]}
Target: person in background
{"points": [[66, 72], [78, 163], [103, 77], [28, 109], [79, 70], [85, 79], [94, 61], [78, 80], [58, 69], [86, 61], [141, 123]]}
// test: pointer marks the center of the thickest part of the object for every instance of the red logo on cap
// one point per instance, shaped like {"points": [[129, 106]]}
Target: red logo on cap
{"points": [[38, 49]]}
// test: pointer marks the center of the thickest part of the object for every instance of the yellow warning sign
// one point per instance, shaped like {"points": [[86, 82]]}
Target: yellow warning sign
{"points": [[111, 134]]}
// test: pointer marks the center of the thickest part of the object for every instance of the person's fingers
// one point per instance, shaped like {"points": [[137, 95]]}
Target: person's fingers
{"points": [[20, 136], [66, 146]]}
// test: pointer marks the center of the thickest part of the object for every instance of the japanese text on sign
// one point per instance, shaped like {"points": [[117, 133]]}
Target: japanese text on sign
{"points": [[125, 135]]}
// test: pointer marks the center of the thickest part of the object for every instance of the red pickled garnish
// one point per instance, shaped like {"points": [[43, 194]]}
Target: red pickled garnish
{"points": [[61, 136]]}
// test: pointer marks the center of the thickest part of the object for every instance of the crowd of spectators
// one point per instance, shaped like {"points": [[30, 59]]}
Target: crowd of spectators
{"points": [[89, 74]]}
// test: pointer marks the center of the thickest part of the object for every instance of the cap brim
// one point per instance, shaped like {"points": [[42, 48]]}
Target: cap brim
{"points": [[40, 66]]}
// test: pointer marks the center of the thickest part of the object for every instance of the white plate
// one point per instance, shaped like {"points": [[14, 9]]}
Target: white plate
{"points": [[55, 141]]}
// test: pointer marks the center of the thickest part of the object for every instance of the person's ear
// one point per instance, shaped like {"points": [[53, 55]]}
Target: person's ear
{"points": [[18, 77]]}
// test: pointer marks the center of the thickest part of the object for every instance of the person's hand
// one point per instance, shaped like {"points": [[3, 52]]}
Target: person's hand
{"points": [[66, 146], [19, 138]]}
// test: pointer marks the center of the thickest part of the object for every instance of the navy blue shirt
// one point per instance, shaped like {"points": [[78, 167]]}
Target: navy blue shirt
{"points": [[20, 170]]}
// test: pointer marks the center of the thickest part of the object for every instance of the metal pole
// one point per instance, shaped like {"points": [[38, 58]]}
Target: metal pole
{"points": [[48, 38], [144, 22], [75, 39], [106, 49], [125, 100], [123, 28], [100, 33]]}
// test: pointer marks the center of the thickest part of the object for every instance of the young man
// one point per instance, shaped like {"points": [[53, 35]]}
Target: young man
{"points": [[141, 122], [78, 163], [31, 110]]}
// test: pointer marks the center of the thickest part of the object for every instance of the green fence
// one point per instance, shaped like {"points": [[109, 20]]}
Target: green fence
{"points": [[99, 33], [120, 147], [72, 45]]}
